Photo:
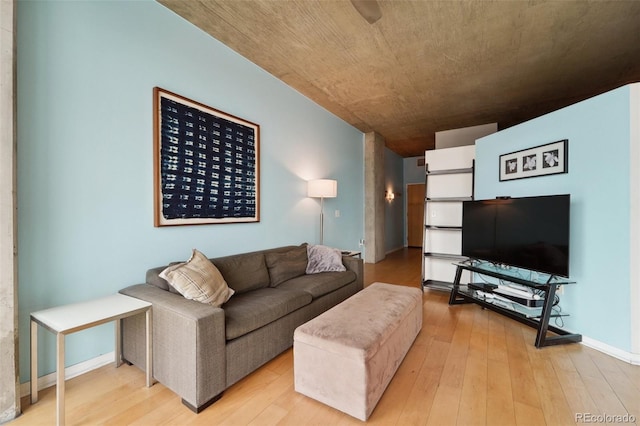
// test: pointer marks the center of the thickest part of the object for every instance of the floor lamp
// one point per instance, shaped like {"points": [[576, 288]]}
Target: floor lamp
{"points": [[322, 188]]}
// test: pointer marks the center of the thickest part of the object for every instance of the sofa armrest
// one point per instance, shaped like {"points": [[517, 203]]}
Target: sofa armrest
{"points": [[188, 343], [356, 265]]}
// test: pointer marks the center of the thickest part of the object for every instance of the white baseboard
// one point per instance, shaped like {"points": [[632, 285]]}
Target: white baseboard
{"points": [[69, 372], [612, 351]]}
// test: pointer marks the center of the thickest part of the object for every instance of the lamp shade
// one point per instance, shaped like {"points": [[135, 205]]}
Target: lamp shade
{"points": [[322, 188]]}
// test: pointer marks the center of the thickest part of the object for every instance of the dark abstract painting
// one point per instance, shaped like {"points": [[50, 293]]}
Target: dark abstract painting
{"points": [[206, 164]]}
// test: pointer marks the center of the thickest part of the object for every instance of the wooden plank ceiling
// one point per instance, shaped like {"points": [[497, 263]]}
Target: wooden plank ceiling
{"points": [[428, 66]]}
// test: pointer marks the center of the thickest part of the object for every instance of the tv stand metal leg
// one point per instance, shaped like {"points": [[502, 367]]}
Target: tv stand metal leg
{"points": [[453, 298], [550, 295]]}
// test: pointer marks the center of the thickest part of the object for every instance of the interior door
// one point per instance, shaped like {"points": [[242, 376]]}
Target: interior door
{"points": [[415, 214]]}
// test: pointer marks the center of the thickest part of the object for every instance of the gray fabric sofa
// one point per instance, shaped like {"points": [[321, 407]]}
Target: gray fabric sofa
{"points": [[200, 350]]}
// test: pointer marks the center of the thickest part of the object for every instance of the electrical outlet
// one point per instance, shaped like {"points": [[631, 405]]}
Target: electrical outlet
{"points": [[560, 290], [361, 242]]}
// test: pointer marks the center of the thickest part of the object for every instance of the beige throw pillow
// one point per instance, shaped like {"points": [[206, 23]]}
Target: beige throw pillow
{"points": [[198, 279]]}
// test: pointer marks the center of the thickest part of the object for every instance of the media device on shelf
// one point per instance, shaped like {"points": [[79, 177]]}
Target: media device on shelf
{"points": [[526, 232]]}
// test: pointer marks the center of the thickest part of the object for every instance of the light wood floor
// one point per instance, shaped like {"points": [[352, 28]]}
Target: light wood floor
{"points": [[467, 366]]}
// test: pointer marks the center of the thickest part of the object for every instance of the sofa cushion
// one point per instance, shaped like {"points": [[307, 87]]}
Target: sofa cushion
{"points": [[319, 284], [324, 259], [153, 278], [244, 272], [198, 279], [286, 265], [251, 310]]}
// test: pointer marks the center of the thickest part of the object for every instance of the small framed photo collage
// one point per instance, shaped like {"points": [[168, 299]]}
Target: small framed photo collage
{"points": [[543, 160]]}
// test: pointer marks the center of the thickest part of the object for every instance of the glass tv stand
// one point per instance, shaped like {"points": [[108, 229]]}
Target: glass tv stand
{"points": [[533, 316]]}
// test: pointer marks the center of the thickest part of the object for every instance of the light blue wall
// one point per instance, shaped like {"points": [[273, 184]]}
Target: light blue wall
{"points": [[412, 172], [394, 210], [598, 131], [85, 186]]}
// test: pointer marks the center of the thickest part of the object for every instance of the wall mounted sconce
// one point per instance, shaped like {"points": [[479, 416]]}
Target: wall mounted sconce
{"points": [[389, 195]]}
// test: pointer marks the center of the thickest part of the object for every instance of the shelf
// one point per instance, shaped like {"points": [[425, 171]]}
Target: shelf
{"points": [[443, 228], [448, 199], [508, 275], [530, 319], [438, 285], [450, 171], [445, 256], [449, 181], [515, 307]]}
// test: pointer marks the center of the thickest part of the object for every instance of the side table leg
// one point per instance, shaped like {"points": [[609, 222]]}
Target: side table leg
{"points": [[34, 362], [149, 341], [118, 351], [60, 380]]}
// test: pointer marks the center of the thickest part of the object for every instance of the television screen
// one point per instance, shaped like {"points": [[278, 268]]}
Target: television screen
{"points": [[528, 232]]}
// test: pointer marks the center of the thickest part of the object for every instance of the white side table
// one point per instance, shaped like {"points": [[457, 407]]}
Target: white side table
{"points": [[68, 319]]}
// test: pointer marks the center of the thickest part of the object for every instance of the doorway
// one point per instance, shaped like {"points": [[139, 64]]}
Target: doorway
{"points": [[415, 214]]}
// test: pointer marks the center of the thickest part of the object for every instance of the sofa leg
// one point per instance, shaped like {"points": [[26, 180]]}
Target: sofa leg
{"points": [[203, 406]]}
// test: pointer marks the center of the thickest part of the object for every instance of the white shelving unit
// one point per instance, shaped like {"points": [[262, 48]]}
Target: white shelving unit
{"points": [[448, 182]]}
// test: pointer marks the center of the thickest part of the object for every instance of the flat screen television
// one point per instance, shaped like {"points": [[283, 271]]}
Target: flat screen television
{"points": [[527, 232]]}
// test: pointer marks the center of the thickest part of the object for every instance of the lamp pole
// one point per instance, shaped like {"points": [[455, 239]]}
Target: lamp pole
{"points": [[321, 220], [322, 188]]}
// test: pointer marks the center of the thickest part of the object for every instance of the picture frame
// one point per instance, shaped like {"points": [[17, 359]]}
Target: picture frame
{"points": [[542, 160], [206, 164]]}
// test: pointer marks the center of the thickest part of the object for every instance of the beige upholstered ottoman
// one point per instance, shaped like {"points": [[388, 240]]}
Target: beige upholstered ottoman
{"points": [[347, 356]]}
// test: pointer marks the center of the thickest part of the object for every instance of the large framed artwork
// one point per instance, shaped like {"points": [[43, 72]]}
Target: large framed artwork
{"points": [[206, 164], [543, 160]]}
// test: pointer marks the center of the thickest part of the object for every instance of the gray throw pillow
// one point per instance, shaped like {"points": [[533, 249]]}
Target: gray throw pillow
{"points": [[286, 265], [324, 259]]}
